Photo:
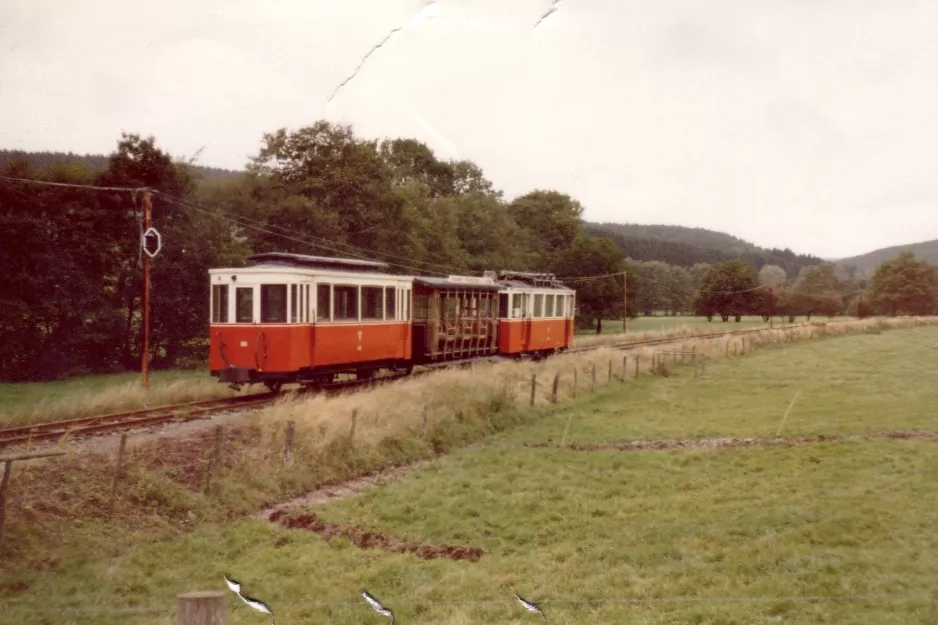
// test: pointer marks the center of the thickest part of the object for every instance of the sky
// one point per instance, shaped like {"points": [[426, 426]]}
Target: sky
{"points": [[803, 124]]}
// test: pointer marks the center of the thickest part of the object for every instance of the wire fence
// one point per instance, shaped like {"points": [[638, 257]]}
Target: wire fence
{"points": [[508, 602]]}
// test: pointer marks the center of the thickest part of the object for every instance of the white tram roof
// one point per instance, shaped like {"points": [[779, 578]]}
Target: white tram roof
{"points": [[468, 283], [321, 262]]}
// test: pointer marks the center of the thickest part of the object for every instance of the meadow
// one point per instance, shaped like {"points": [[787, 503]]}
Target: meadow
{"points": [[784, 528]]}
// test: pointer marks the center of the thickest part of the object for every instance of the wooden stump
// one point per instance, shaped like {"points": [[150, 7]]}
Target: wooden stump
{"points": [[204, 607]]}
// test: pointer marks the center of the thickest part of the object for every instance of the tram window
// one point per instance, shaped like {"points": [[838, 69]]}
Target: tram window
{"points": [[323, 301], [549, 306], [539, 305], [273, 303], [390, 312], [516, 311], [558, 310], [307, 304], [503, 309], [407, 305], [220, 303], [371, 303], [346, 303], [244, 304], [294, 308]]}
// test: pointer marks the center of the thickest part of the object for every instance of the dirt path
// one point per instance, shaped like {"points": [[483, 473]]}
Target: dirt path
{"points": [[367, 539], [732, 442], [342, 490]]}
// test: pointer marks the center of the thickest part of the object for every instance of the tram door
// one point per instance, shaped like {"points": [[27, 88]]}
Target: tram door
{"points": [[526, 321]]}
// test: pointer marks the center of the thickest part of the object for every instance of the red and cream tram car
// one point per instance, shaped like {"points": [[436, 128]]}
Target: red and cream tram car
{"points": [[305, 319], [537, 314]]}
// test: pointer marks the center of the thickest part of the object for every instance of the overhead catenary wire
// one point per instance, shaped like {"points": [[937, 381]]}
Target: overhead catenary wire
{"points": [[246, 222], [241, 220], [71, 185]]}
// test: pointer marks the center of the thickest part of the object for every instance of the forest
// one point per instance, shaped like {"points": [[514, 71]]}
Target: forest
{"points": [[71, 296]]}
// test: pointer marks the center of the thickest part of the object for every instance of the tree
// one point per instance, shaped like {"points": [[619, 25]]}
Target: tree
{"points": [[597, 297], [773, 276], [192, 240], [413, 162], [339, 175], [728, 289], [904, 285], [767, 302], [680, 290], [551, 219], [817, 291], [860, 307]]}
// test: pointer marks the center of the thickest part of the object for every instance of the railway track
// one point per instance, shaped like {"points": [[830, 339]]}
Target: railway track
{"points": [[677, 339], [87, 426]]}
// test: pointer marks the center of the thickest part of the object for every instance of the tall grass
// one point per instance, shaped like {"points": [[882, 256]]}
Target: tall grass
{"points": [[53, 401], [450, 398]]}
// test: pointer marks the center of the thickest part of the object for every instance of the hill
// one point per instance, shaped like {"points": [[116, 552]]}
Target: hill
{"points": [[696, 237], [867, 263], [679, 245], [95, 162]]}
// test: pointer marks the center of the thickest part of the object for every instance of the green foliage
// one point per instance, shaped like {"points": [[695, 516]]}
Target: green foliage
{"points": [[817, 290], [728, 289], [552, 219], [772, 275], [73, 279], [905, 285], [593, 256]]}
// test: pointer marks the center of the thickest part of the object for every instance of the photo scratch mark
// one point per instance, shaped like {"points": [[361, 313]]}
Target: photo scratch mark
{"points": [[554, 7], [418, 17]]}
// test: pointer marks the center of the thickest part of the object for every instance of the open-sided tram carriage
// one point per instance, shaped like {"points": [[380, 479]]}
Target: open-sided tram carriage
{"points": [[292, 318]]}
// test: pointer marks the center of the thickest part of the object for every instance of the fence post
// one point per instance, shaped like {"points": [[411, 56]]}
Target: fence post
{"points": [[351, 431], [7, 468], [625, 367], [533, 386], [216, 453], [553, 398], [288, 443], [637, 358], [610, 370], [205, 607], [424, 433], [117, 468], [575, 381], [594, 377]]}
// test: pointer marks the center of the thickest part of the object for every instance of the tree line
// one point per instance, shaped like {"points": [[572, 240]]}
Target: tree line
{"points": [[70, 301]]}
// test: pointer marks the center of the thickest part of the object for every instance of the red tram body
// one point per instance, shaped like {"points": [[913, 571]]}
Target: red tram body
{"points": [[306, 319]]}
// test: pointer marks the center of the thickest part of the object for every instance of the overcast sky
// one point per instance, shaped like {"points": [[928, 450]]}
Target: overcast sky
{"points": [[804, 124]]}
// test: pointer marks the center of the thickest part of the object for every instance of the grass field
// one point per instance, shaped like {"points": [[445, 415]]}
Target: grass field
{"points": [[831, 532]]}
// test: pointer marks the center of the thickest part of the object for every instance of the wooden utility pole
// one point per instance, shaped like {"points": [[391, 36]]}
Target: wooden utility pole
{"points": [[145, 354], [625, 302]]}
